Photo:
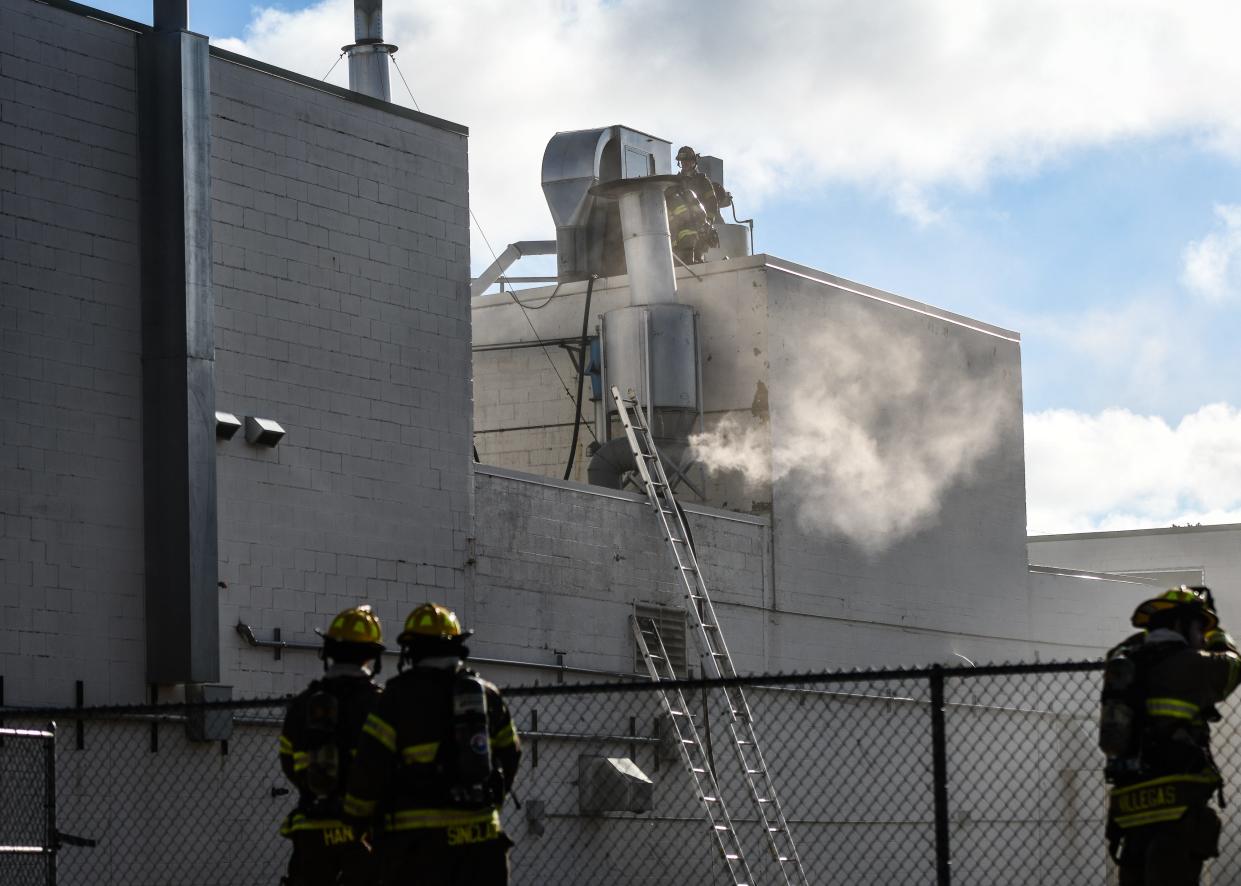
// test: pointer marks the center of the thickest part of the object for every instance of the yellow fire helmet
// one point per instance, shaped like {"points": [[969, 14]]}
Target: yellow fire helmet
{"points": [[1192, 600], [357, 624], [432, 621]]}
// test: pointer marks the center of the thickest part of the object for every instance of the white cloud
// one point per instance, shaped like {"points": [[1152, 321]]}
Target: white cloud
{"points": [[1118, 470], [1212, 265], [903, 95]]}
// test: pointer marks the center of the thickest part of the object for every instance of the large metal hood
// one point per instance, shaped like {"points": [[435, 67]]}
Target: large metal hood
{"points": [[588, 230]]}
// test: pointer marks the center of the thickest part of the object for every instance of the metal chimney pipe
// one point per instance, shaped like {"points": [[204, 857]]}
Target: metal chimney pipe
{"points": [[368, 54], [644, 229]]}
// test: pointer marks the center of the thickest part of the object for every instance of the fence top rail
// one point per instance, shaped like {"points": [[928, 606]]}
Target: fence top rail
{"points": [[755, 681], [760, 681], [26, 733]]}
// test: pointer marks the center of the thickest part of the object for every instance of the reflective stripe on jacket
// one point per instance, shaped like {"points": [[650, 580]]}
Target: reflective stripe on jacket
{"points": [[400, 776], [1160, 799]]}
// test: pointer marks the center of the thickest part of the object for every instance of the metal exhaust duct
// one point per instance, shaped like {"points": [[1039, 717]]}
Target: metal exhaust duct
{"points": [[644, 232], [368, 54], [650, 348]]}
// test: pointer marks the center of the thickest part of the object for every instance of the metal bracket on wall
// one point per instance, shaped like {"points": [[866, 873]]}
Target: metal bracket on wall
{"points": [[275, 643]]}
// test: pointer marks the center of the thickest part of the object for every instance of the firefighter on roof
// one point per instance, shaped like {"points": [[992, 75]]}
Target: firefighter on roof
{"points": [[1160, 688], [436, 760], [320, 734], [693, 209]]}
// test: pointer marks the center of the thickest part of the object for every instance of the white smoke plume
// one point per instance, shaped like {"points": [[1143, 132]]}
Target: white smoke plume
{"points": [[880, 429]]}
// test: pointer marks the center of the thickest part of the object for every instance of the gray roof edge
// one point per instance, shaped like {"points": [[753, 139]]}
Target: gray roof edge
{"points": [[1093, 576], [900, 301], [141, 28], [339, 92], [1135, 533], [766, 261]]}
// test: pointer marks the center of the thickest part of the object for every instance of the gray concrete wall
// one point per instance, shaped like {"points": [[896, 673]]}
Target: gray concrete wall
{"points": [[559, 566], [341, 278], [957, 584], [341, 272], [842, 549], [1168, 557], [71, 603], [523, 415]]}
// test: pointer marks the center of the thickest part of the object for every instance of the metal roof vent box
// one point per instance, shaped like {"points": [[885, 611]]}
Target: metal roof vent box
{"points": [[613, 784]]}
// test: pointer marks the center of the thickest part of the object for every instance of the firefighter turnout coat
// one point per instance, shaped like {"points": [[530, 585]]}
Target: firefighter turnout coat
{"points": [[404, 775], [1182, 685], [317, 743]]}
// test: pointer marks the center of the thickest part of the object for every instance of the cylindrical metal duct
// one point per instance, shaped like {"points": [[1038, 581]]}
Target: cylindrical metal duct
{"points": [[659, 339], [368, 54], [368, 21], [644, 229]]}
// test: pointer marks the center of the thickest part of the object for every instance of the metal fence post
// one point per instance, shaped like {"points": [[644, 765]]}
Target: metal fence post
{"points": [[939, 762], [52, 839]]}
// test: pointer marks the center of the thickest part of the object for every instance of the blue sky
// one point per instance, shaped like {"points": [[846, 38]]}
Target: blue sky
{"points": [[1068, 170]]}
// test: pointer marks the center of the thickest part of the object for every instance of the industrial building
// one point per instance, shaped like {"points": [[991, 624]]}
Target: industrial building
{"points": [[244, 385], [323, 289]]}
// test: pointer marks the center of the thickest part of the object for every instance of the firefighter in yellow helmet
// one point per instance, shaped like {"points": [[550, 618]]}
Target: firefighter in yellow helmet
{"points": [[1160, 689], [694, 203], [436, 760], [317, 743]]}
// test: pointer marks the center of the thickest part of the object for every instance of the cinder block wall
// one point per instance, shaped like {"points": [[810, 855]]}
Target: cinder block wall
{"points": [[559, 567], [342, 312], [72, 599]]}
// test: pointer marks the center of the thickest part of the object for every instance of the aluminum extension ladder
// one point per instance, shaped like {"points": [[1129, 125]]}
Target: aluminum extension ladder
{"points": [[714, 652], [693, 751]]}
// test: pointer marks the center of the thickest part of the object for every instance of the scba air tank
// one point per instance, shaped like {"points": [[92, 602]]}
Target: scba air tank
{"points": [[1117, 715], [473, 744]]}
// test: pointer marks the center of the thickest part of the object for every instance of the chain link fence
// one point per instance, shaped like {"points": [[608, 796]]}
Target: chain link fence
{"points": [[967, 776], [27, 813]]}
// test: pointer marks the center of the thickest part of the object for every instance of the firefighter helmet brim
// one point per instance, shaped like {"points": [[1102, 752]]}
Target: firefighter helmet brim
{"points": [[1175, 603]]}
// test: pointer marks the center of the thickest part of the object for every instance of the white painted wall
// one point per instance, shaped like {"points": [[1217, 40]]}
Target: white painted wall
{"points": [[1171, 556]]}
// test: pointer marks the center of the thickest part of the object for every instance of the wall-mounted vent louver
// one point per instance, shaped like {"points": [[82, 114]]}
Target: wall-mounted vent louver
{"points": [[671, 624]]}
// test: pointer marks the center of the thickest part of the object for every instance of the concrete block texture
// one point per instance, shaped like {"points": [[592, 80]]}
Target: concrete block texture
{"points": [[886, 457], [361, 354], [559, 566], [70, 375]]}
